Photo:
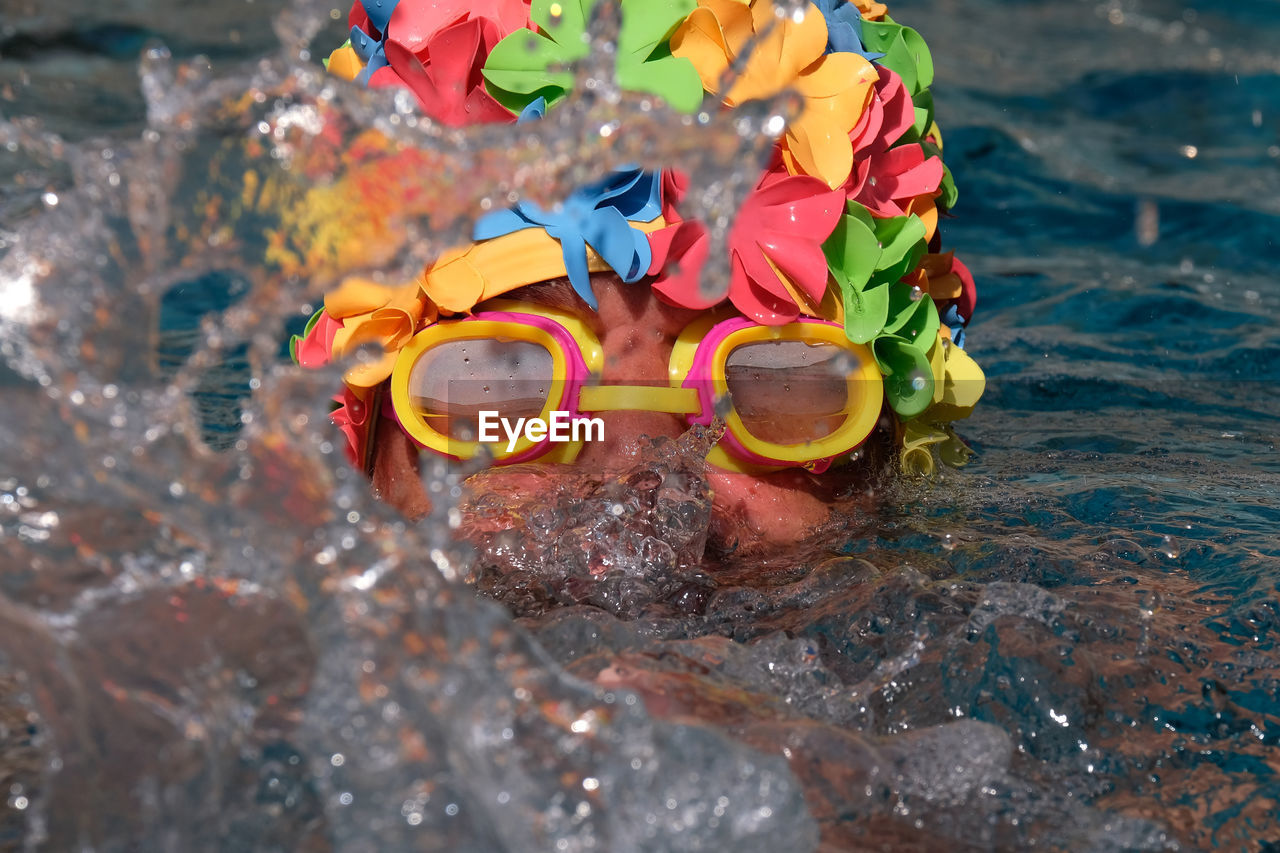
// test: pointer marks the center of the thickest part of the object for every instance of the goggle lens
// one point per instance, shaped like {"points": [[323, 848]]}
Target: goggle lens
{"points": [[451, 383], [790, 392]]}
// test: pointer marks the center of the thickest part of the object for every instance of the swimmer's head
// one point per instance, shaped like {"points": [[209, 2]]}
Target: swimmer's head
{"points": [[839, 343]]}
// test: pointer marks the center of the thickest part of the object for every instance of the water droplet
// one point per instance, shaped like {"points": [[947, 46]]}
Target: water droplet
{"points": [[918, 382], [916, 293], [1169, 547]]}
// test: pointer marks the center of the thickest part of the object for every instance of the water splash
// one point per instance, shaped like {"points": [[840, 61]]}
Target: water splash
{"points": [[240, 646], [393, 706]]}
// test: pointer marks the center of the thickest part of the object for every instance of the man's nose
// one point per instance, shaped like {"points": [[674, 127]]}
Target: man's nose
{"points": [[622, 431]]}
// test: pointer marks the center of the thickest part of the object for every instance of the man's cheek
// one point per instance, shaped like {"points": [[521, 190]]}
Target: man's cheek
{"points": [[770, 509]]}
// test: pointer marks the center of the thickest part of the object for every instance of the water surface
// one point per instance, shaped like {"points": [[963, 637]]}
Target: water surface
{"points": [[1070, 644]]}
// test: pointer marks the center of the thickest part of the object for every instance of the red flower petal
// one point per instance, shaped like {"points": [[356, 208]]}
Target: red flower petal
{"points": [[897, 176], [449, 85], [783, 221], [413, 23], [779, 229], [923, 178], [674, 185], [968, 299], [758, 303], [315, 349], [679, 254], [352, 419], [803, 261], [899, 112], [359, 18]]}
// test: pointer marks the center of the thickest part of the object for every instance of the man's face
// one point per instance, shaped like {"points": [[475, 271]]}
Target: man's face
{"points": [[749, 512]]}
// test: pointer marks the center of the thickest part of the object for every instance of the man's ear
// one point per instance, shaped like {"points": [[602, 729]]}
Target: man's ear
{"points": [[395, 471]]}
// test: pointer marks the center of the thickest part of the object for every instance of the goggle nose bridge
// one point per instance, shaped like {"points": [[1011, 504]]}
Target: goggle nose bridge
{"points": [[578, 358]]}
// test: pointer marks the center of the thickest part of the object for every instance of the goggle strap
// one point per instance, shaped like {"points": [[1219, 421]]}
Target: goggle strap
{"points": [[616, 398]]}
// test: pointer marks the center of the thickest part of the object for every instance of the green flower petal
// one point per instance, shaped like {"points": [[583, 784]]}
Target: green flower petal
{"points": [[913, 320], [908, 377], [905, 52], [867, 257], [920, 54], [903, 245], [645, 63], [646, 24], [517, 71], [865, 311], [853, 248], [923, 104], [672, 78], [852, 253], [526, 65], [950, 196]]}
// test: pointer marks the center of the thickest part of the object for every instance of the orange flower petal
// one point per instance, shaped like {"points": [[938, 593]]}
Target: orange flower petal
{"points": [[357, 296]]}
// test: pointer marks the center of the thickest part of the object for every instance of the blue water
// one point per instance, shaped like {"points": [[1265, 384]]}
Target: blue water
{"points": [[1101, 585]]}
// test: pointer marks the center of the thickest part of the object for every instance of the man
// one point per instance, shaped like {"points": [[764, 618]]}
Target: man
{"points": [[591, 311]]}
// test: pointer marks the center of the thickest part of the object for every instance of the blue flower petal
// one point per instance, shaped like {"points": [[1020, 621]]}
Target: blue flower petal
{"points": [[364, 44], [377, 60], [844, 28], [533, 111], [379, 12], [598, 215], [952, 320]]}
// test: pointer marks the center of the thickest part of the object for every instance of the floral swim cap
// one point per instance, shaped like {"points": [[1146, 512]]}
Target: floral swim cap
{"points": [[841, 224]]}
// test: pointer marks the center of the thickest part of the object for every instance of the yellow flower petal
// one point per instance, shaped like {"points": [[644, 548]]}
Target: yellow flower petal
{"points": [[390, 327], [837, 89], [820, 150], [702, 41], [938, 364], [465, 277], [344, 63], [360, 296], [717, 31], [373, 373], [945, 286], [963, 384], [871, 10], [779, 58], [926, 208], [917, 439]]}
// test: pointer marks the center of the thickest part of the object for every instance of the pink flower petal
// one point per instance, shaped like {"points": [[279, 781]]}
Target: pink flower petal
{"points": [[679, 254], [315, 349]]}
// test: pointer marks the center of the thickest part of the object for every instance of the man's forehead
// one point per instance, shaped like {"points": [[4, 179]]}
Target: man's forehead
{"points": [[556, 293]]}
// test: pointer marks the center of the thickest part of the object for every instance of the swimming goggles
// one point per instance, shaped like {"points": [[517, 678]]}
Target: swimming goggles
{"points": [[799, 395]]}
